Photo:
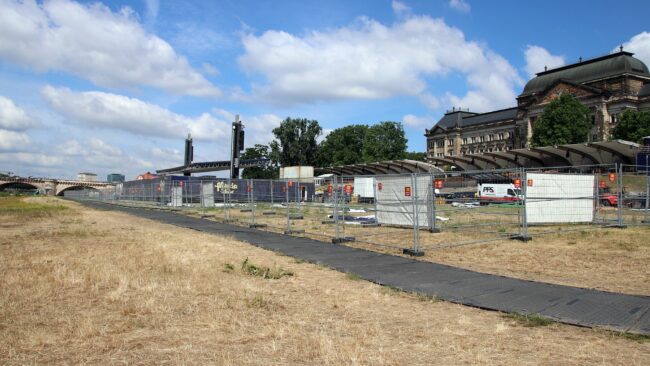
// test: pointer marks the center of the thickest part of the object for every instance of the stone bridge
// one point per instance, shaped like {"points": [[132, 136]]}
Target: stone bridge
{"points": [[51, 187]]}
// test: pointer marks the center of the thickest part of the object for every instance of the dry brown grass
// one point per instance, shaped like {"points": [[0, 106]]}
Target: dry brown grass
{"points": [[97, 287], [584, 256]]}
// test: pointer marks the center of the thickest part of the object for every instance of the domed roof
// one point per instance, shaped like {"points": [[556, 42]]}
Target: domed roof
{"points": [[601, 67]]}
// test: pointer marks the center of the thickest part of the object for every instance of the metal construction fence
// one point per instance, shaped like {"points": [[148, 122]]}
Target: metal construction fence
{"points": [[409, 213]]}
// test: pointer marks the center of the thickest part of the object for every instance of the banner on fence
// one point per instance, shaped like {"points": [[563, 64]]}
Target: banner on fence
{"points": [[560, 198]]}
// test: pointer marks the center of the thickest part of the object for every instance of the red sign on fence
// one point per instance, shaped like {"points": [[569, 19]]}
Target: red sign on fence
{"points": [[517, 183], [612, 177], [329, 189], [348, 189], [602, 184], [380, 186], [407, 191], [438, 183]]}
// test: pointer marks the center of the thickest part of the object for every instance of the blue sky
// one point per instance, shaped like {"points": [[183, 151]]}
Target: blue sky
{"points": [[115, 86]]}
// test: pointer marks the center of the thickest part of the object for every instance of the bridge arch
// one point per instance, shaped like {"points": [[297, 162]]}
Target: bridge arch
{"points": [[76, 188], [19, 186]]}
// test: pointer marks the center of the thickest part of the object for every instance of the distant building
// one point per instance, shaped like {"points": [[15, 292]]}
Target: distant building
{"points": [[87, 177], [115, 178], [146, 176], [606, 85]]}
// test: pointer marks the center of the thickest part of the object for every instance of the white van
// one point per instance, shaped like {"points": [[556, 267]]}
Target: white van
{"points": [[498, 193]]}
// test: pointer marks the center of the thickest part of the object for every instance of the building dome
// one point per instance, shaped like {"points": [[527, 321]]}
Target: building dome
{"points": [[598, 68]]}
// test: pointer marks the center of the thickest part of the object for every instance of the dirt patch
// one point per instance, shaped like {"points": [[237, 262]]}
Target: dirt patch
{"points": [[145, 292]]}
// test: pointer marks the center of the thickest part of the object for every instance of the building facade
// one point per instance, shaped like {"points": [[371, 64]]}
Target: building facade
{"points": [[606, 85], [87, 177], [115, 178]]}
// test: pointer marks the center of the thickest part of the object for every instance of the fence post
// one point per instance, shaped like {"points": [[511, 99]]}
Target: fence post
{"points": [[432, 206], [619, 204], [647, 191], [524, 203], [286, 186], [415, 251], [336, 209]]}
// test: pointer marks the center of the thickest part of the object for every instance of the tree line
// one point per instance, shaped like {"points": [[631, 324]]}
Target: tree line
{"points": [[296, 143], [566, 121]]}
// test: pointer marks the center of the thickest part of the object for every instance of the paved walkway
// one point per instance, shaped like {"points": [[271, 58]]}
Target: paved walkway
{"points": [[572, 305]]}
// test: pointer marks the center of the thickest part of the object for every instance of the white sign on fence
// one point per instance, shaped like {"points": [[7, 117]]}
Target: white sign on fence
{"points": [[177, 196], [207, 194], [559, 198], [396, 196]]}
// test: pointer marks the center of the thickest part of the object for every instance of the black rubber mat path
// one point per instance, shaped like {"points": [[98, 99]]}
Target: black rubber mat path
{"points": [[571, 305]]}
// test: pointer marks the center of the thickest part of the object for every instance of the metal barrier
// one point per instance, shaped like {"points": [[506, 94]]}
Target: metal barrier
{"points": [[408, 213]]}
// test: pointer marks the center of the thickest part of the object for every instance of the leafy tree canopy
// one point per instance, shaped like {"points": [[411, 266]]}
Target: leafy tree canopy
{"points": [[632, 126], [384, 141], [295, 142], [343, 146], [417, 156], [258, 152], [564, 121]]}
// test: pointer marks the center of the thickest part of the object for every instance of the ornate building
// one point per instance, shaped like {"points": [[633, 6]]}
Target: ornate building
{"points": [[606, 85]]}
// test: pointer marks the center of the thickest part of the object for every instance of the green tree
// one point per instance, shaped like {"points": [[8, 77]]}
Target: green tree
{"points": [[343, 146], [259, 152], [295, 142], [632, 126], [384, 141], [417, 156], [564, 121]]}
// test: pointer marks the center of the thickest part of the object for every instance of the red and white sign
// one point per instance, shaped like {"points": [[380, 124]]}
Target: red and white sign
{"points": [[438, 183], [602, 184], [407, 191], [612, 177], [517, 183], [329, 189], [348, 189]]}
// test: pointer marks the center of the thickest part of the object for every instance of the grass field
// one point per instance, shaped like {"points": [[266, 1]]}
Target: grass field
{"points": [[588, 256], [86, 286]]}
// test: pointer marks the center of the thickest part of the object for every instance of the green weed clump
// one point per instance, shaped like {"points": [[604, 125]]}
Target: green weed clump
{"points": [[17, 206], [264, 272], [531, 320]]}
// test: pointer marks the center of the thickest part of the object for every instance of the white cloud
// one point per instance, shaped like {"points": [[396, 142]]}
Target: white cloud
{"points": [[538, 58], [12, 117], [430, 101], [369, 60], [460, 5], [417, 122], [90, 41], [209, 69], [97, 153], [13, 141], [32, 159], [639, 45], [258, 128], [119, 112], [400, 8]]}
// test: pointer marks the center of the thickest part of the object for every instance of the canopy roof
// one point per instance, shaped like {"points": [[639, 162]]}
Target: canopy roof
{"points": [[590, 153], [572, 155]]}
